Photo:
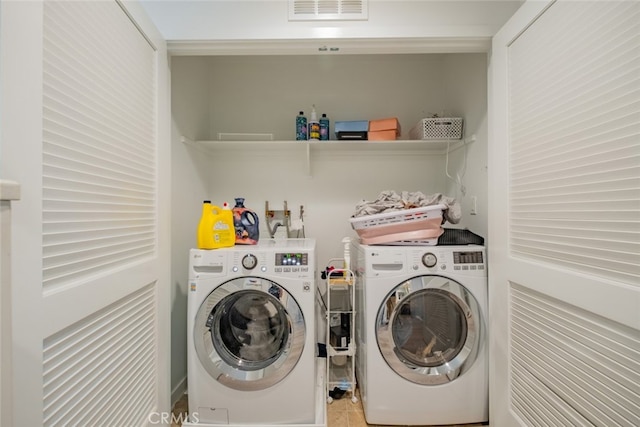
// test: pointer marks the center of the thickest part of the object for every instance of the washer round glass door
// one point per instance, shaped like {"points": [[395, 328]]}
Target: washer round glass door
{"points": [[249, 333], [429, 329]]}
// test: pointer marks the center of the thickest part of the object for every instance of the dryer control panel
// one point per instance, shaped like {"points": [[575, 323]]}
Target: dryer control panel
{"points": [[468, 257], [448, 259]]}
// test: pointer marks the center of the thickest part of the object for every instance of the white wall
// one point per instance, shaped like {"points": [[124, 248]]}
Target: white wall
{"points": [[189, 186], [466, 83], [263, 94]]}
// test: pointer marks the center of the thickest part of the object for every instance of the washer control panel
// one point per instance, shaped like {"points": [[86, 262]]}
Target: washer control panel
{"points": [[291, 262], [292, 258], [296, 264]]}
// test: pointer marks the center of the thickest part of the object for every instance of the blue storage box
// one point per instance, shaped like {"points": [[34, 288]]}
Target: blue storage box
{"points": [[353, 129]]}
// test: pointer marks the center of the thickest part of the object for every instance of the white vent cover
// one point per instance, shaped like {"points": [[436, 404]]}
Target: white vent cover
{"points": [[312, 10]]}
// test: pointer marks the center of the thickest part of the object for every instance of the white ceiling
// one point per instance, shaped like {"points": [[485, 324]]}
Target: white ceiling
{"points": [[189, 20]]}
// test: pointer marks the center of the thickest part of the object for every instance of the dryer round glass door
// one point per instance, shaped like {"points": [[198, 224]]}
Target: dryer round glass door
{"points": [[249, 333], [429, 329]]}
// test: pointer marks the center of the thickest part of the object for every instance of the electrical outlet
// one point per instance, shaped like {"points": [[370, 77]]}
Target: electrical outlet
{"points": [[474, 205]]}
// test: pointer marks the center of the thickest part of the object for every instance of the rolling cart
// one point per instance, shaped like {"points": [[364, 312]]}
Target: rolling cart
{"points": [[341, 343]]}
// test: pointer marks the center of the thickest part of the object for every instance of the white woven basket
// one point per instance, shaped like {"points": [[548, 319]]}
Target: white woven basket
{"points": [[437, 128]]}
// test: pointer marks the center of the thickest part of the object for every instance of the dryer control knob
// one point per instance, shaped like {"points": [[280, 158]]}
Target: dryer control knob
{"points": [[429, 260], [249, 261]]}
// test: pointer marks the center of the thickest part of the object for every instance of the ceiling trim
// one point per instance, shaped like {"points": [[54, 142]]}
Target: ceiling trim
{"points": [[329, 46]]}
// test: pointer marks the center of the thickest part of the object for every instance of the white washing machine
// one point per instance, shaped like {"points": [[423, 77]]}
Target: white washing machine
{"points": [[422, 350], [251, 334]]}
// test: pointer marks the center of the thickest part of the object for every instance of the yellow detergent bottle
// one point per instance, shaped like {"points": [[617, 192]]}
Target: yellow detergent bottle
{"points": [[227, 216], [205, 227], [215, 229]]}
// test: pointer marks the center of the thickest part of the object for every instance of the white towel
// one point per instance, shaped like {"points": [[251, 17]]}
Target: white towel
{"points": [[389, 200]]}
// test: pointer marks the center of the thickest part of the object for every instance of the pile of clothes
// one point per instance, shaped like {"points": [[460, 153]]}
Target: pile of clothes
{"points": [[389, 201]]}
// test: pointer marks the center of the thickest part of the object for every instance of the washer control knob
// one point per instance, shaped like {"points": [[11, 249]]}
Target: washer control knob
{"points": [[235, 269], [429, 260], [249, 261], [263, 269]]}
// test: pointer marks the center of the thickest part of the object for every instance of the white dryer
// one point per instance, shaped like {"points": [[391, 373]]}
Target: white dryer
{"points": [[251, 334], [421, 334]]}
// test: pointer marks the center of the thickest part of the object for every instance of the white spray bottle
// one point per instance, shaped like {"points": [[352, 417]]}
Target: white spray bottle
{"points": [[314, 126]]}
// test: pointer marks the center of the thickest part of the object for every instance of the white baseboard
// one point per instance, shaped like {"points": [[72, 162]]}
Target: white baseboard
{"points": [[178, 391]]}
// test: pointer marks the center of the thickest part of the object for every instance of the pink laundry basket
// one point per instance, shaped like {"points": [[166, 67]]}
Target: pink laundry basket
{"points": [[418, 226]]}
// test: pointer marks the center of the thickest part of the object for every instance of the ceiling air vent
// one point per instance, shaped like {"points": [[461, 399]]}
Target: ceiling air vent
{"points": [[318, 10]]}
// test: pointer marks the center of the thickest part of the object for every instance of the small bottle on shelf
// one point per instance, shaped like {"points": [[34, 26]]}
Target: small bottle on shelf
{"points": [[324, 127], [301, 127], [314, 126]]}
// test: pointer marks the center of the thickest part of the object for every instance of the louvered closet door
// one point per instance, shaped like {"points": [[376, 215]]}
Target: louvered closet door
{"points": [[564, 245], [90, 262]]}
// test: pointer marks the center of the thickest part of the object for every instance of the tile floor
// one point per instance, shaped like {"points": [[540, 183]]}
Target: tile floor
{"points": [[344, 413], [180, 408], [340, 413]]}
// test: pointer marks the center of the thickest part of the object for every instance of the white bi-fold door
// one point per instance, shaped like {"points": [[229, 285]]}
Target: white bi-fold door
{"points": [[564, 218], [85, 131]]}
